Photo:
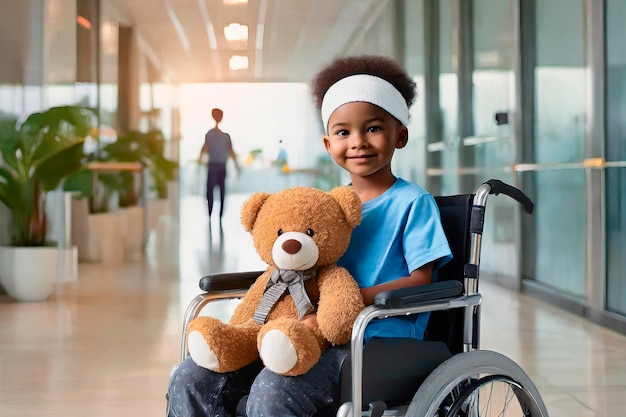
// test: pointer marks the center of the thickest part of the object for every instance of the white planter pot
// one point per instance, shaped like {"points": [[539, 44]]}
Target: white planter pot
{"points": [[28, 273], [88, 249], [131, 223], [157, 208], [105, 233], [97, 236]]}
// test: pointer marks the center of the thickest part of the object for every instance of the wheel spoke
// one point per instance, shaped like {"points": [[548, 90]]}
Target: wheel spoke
{"points": [[477, 384], [489, 401], [509, 396]]}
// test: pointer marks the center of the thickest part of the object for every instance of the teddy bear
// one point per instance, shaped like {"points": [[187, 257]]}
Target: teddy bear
{"points": [[300, 233]]}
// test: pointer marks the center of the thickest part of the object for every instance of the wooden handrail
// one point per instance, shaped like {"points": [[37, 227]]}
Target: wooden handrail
{"points": [[115, 166]]}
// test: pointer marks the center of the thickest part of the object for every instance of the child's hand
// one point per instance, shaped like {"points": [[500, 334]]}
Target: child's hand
{"points": [[310, 321]]}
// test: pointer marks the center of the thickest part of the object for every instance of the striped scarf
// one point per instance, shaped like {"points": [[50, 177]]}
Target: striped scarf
{"points": [[279, 282]]}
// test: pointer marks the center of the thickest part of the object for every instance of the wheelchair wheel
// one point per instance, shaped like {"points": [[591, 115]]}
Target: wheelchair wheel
{"points": [[480, 383]]}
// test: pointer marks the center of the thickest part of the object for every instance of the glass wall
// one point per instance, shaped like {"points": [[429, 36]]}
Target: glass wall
{"points": [[616, 155], [448, 96], [109, 72], [63, 52], [59, 53], [481, 65], [87, 24], [489, 144], [493, 83], [558, 256], [21, 49], [513, 95], [410, 162]]}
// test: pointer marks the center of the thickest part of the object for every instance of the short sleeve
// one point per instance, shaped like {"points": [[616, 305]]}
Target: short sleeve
{"points": [[424, 240]]}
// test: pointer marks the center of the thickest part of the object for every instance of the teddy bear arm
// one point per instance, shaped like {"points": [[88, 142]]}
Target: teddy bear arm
{"points": [[339, 305]]}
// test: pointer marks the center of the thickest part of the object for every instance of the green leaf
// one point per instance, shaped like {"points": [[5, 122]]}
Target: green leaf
{"points": [[17, 197], [57, 127], [9, 141], [39, 155], [80, 182], [165, 167], [9, 189], [62, 162], [123, 150]]}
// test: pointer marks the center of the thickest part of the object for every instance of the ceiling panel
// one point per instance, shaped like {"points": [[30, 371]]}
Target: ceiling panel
{"points": [[296, 37]]}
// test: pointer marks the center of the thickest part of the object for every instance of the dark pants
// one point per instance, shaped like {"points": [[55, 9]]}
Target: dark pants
{"points": [[198, 392], [216, 177]]}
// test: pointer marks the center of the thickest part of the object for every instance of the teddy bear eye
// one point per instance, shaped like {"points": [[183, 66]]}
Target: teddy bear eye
{"points": [[310, 232], [280, 232]]}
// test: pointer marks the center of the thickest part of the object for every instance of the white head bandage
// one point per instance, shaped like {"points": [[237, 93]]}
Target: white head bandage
{"points": [[367, 88]]}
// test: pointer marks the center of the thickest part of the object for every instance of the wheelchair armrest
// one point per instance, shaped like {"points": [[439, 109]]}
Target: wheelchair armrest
{"points": [[404, 297], [229, 281]]}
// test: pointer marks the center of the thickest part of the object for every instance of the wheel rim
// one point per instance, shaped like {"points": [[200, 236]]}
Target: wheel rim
{"points": [[475, 371], [490, 396]]}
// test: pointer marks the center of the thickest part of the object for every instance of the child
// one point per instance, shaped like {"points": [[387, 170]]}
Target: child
{"points": [[365, 109], [364, 101]]}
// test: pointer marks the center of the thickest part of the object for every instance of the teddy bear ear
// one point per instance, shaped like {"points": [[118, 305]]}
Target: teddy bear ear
{"points": [[350, 204], [251, 209]]}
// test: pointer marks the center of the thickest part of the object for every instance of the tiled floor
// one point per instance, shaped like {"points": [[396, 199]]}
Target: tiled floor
{"points": [[104, 346]]}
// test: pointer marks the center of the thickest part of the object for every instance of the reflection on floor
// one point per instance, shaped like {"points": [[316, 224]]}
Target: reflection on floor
{"points": [[104, 346]]}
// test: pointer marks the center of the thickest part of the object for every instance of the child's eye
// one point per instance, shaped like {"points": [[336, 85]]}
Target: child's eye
{"points": [[342, 133], [373, 129]]}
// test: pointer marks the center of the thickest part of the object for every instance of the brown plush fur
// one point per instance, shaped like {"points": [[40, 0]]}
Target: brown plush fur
{"points": [[332, 216]]}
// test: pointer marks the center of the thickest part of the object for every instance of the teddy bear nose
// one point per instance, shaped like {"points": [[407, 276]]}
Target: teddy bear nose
{"points": [[291, 246]]}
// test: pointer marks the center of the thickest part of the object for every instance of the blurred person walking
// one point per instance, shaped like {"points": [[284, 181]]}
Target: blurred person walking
{"points": [[218, 147]]}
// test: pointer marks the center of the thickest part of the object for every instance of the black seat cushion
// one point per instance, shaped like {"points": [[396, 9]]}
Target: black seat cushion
{"points": [[394, 369]]}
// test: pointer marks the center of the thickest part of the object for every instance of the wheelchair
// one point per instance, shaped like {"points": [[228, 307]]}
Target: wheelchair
{"points": [[444, 375]]}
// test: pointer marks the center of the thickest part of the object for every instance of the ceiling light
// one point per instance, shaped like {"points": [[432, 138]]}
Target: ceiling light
{"points": [[230, 2], [238, 62], [236, 32], [83, 21]]}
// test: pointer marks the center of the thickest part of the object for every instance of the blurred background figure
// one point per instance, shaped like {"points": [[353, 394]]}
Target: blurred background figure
{"points": [[218, 147], [281, 158]]}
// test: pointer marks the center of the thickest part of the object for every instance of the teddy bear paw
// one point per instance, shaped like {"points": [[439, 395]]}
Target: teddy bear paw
{"points": [[277, 352], [200, 351]]}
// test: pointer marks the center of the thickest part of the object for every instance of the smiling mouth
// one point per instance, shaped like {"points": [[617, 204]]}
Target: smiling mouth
{"points": [[361, 157]]}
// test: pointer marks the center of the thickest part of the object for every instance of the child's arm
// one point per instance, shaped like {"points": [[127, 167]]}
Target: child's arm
{"points": [[420, 276]]}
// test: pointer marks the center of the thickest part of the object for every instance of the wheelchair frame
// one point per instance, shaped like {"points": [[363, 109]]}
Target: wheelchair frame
{"points": [[438, 296]]}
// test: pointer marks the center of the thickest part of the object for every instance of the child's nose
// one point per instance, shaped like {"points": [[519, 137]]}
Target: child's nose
{"points": [[358, 140]]}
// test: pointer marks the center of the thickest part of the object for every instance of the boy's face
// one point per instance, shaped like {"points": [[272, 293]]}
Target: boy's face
{"points": [[362, 138]]}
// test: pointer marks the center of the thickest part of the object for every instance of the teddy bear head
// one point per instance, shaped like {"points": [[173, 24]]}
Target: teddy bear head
{"points": [[302, 227]]}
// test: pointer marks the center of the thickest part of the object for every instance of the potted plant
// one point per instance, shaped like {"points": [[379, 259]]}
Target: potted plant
{"points": [[38, 155], [162, 173], [145, 149], [124, 185], [162, 170]]}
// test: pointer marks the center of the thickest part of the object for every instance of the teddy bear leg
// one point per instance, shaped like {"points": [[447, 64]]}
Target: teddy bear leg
{"points": [[288, 347], [221, 347]]}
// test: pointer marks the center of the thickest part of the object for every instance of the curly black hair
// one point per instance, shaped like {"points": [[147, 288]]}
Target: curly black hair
{"points": [[380, 66]]}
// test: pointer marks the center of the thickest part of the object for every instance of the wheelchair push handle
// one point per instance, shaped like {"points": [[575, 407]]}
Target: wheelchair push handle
{"points": [[499, 187]]}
